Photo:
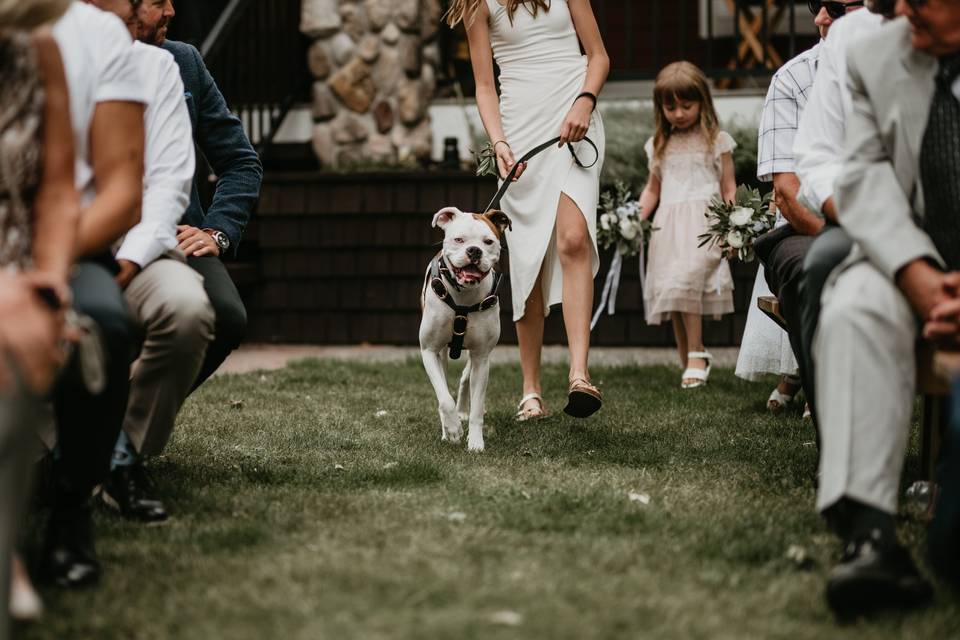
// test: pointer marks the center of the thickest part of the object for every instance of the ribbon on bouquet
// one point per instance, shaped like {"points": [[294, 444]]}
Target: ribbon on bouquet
{"points": [[608, 298]]}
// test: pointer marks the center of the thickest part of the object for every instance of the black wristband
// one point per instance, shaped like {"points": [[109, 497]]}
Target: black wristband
{"points": [[587, 94]]}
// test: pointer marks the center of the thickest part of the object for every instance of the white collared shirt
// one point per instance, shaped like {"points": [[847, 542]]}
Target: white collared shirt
{"points": [[169, 159], [95, 48], [819, 143], [786, 100]]}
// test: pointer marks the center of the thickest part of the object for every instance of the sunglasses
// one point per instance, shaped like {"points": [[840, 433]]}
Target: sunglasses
{"points": [[835, 9]]}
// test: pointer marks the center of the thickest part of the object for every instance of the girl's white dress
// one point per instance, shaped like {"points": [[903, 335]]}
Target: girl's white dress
{"points": [[681, 276], [765, 348], [542, 71]]}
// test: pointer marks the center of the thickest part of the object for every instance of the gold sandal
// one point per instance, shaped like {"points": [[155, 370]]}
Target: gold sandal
{"points": [[524, 415], [583, 400]]}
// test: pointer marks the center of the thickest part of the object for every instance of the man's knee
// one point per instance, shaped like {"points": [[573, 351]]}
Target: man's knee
{"points": [[826, 253], [865, 301], [231, 321]]}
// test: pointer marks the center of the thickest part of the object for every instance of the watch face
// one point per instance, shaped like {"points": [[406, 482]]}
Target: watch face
{"points": [[222, 240]]}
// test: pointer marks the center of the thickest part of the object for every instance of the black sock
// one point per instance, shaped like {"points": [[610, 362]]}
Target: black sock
{"points": [[853, 520]]}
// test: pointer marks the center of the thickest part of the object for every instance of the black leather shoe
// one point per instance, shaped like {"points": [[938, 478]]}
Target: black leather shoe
{"points": [[69, 556], [127, 490], [875, 574]]}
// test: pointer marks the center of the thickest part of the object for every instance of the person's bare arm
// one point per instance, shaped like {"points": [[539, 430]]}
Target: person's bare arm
{"points": [[56, 208], [488, 102], [829, 210], [804, 221], [116, 150], [650, 198], [728, 178], [577, 122]]}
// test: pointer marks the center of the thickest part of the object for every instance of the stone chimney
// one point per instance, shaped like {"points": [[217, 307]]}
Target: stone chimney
{"points": [[374, 64]]}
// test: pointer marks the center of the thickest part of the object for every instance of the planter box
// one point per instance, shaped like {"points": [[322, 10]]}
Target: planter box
{"points": [[340, 259]]}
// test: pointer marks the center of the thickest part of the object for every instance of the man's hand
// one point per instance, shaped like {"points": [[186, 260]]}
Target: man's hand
{"points": [[943, 325], [196, 242], [128, 271], [926, 287]]}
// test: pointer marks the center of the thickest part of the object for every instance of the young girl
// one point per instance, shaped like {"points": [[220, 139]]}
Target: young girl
{"points": [[690, 162], [548, 88]]}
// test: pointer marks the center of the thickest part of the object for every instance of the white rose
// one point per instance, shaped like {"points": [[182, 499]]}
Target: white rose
{"points": [[628, 229], [740, 217], [605, 222], [735, 239], [759, 227]]}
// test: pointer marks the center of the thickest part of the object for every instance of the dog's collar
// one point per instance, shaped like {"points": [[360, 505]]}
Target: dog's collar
{"points": [[460, 314]]}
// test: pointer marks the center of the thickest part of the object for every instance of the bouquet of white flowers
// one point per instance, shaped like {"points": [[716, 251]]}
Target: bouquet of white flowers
{"points": [[623, 230], [735, 225], [620, 223]]}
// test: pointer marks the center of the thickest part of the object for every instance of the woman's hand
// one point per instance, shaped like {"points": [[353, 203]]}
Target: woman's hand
{"points": [[577, 122], [506, 160], [29, 332]]}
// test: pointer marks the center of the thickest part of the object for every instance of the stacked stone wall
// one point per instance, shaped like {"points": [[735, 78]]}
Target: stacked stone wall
{"points": [[374, 64]]}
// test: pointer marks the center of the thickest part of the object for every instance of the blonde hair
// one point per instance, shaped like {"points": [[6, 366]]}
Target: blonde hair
{"points": [[682, 81], [30, 14], [465, 11]]}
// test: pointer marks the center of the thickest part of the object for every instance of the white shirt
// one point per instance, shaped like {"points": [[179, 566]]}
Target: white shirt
{"points": [[169, 159], [819, 143], [95, 48], [786, 100]]}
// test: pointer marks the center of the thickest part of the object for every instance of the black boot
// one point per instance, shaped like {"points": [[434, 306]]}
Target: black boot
{"points": [[875, 573], [69, 555], [127, 490]]}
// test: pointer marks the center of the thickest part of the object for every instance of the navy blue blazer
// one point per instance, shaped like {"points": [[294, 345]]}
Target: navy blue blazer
{"points": [[220, 136]]}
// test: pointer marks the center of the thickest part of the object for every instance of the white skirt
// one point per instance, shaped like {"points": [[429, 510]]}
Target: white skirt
{"points": [[765, 348]]}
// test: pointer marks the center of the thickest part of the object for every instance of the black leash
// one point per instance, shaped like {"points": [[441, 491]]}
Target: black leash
{"points": [[438, 272], [495, 203]]}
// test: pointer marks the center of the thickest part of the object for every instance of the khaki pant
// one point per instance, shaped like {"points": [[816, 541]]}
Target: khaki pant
{"points": [[168, 301], [866, 381]]}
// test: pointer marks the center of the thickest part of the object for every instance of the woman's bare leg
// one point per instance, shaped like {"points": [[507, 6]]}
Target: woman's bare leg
{"points": [[530, 337], [574, 248], [681, 336]]}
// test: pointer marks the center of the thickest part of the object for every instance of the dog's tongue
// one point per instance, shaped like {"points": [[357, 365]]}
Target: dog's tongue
{"points": [[471, 273]]}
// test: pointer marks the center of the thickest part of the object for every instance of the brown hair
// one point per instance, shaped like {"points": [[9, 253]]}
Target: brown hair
{"points": [[682, 81], [466, 10]]}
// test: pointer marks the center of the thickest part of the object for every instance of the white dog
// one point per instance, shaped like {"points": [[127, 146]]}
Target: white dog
{"points": [[461, 312]]}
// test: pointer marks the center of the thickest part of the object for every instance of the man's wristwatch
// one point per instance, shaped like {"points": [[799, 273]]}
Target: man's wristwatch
{"points": [[220, 238]]}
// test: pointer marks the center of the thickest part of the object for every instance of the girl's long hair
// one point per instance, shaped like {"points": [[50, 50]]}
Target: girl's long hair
{"points": [[682, 81], [29, 14], [466, 10]]}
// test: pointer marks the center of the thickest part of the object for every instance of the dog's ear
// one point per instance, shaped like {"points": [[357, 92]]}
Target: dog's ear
{"points": [[443, 217], [499, 219]]}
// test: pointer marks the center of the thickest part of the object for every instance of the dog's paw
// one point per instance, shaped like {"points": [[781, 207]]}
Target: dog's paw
{"points": [[475, 445]]}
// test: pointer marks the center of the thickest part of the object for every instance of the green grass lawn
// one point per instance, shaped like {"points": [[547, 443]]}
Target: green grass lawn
{"points": [[302, 510]]}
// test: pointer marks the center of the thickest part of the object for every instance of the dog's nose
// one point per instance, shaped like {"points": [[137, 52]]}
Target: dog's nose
{"points": [[474, 253]]}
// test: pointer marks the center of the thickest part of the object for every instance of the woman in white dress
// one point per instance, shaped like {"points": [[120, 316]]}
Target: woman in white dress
{"points": [[548, 89]]}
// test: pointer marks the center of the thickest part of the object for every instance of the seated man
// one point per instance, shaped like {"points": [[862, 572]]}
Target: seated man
{"points": [[206, 237], [898, 197], [106, 111], [166, 297], [819, 149]]}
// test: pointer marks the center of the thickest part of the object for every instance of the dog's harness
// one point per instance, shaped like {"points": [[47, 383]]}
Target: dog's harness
{"points": [[440, 272]]}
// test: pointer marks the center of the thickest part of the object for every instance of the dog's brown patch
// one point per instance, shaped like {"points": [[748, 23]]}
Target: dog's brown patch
{"points": [[483, 217]]}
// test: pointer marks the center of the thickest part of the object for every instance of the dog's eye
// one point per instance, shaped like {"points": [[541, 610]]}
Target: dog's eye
{"points": [[458, 240], [488, 242]]}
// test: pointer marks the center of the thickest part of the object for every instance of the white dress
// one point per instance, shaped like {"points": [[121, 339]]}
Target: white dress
{"points": [[542, 71], [765, 348]]}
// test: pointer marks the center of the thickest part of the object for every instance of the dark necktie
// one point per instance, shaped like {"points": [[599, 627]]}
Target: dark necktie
{"points": [[940, 165]]}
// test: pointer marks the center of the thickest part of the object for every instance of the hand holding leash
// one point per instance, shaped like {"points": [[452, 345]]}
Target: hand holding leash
{"points": [[506, 161]]}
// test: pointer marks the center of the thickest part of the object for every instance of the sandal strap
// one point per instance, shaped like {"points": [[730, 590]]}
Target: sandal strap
{"points": [[527, 398], [702, 355], [696, 374]]}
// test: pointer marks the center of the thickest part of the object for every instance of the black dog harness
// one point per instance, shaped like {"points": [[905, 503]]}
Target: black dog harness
{"points": [[440, 272]]}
